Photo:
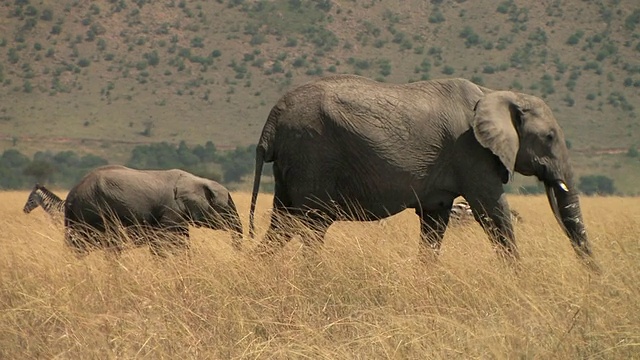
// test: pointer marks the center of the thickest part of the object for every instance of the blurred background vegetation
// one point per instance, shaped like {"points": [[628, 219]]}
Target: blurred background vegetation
{"points": [[118, 79], [64, 169]]}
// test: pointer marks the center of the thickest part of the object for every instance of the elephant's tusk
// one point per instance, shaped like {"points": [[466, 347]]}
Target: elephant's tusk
{"points": [[563, 186]]}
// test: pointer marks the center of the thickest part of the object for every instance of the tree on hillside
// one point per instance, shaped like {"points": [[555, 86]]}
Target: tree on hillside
{"points": [[12, 165], [238, 163], [154, 156], [596, 185], [186, 155], [40, 170], [206, 153]]}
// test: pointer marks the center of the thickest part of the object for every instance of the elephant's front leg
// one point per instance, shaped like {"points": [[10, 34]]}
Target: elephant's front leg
{"points": [[433, 224], [495, 218]]}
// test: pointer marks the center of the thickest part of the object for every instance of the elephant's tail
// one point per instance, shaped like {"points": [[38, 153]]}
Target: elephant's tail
{"points": [[264, 153], [256, 187]]}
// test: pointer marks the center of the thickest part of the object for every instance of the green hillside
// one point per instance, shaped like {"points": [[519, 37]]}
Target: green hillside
{"points": [[104, 76]]}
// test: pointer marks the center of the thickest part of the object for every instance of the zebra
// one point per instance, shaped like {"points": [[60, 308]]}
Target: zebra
{"points": [[461, 212], [50, 202]]}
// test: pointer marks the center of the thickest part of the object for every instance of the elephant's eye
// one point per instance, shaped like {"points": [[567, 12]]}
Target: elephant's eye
{"points": [[550, 136]]}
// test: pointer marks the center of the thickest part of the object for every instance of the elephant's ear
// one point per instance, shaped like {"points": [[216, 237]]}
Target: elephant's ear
{"points": [[191, 197], [497, 115]]}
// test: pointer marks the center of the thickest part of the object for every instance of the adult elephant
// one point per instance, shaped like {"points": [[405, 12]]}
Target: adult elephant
{"points": [[150, 202], [347, 147]]}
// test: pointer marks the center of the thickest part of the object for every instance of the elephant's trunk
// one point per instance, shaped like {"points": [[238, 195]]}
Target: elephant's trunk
{"points": [[234, 224], [565, 204]]}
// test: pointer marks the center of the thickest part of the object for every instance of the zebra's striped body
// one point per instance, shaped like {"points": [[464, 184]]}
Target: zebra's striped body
{"points": [[460, 212], [50, 202]]}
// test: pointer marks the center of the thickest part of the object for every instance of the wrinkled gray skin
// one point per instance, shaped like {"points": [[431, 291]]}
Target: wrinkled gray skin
{"points": [[346, 142], [147, 202]]}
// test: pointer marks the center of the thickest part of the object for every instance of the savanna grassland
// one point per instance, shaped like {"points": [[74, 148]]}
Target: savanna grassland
{"points": [[364, 295]]}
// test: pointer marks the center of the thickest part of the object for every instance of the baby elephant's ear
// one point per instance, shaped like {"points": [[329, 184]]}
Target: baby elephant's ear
{"points": [[494, 126]]}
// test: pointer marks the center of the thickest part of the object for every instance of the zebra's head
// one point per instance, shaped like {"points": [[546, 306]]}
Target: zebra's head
{"points": [[33, 200], [41, 196]]}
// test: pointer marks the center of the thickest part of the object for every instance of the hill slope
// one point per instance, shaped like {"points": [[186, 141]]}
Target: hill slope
{"points": [[103, 76]]}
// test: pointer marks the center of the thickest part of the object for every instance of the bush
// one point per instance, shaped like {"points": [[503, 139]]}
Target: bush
{"points": [[56, 29], [27, 87], [632, 20], [300, 62], [470, 36], [448, 70], [12, 56], [477, 79], [575, 37], [84, 62], [504, 7], [197, 42], [152, 58], [291, 42], [47, 15], [596, 185], [436, 17], [425, 66], [546, 83], [385, 68], [569, 101]]}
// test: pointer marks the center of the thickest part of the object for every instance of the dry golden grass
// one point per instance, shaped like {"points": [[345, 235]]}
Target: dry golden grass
{"points": [[363, 295]]}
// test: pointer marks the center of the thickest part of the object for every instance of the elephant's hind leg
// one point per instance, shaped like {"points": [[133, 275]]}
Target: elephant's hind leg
{"points": [[314, 227], [278, 233]]}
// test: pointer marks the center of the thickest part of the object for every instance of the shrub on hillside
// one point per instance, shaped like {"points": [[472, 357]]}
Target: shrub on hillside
{"points": [[575, 37], [596, 185]]}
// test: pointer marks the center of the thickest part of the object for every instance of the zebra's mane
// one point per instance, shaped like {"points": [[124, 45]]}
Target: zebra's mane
{"points": [[46, 192]]}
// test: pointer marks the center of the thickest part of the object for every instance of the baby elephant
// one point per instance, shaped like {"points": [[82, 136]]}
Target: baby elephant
{"points": [[150, 204]]}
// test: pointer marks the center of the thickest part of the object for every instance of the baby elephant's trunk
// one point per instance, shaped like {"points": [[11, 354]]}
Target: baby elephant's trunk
{"points": [[232, 220]]}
